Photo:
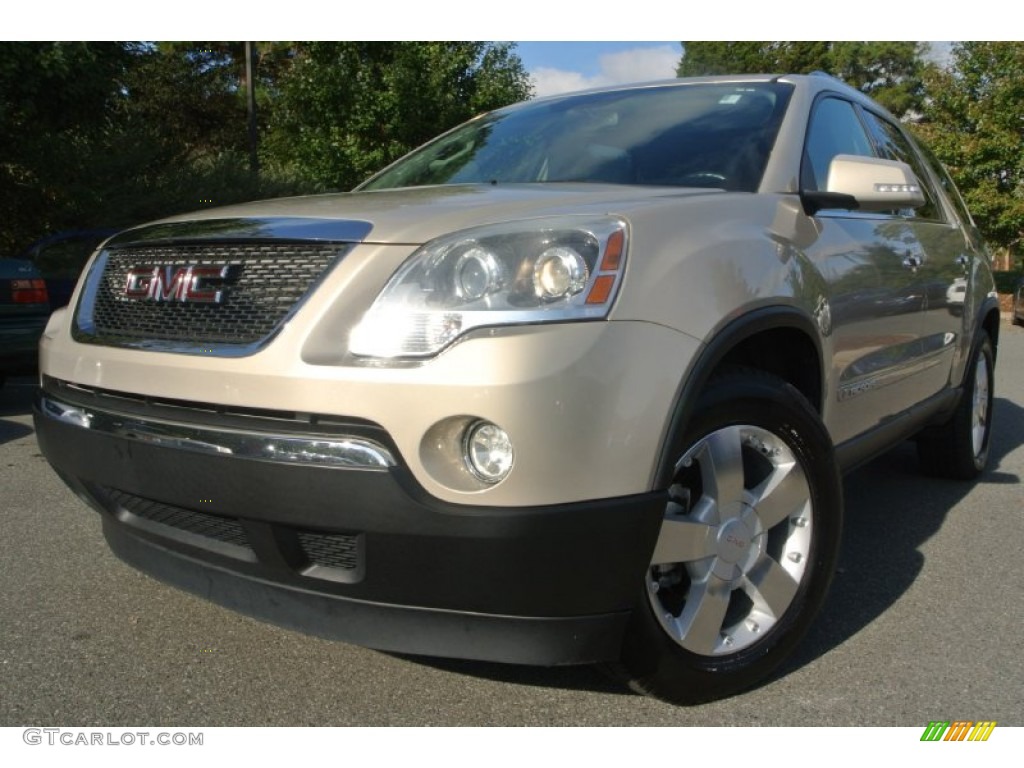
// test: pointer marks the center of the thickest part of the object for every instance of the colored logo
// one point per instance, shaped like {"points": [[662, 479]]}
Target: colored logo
{"points": [[185, 283], [958, 730]]}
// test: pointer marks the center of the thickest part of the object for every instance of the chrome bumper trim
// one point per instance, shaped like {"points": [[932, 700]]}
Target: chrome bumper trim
{"points": [[317, 450]]}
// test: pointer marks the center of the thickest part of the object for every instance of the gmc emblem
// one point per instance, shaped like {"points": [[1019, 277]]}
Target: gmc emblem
{"points": [[175, 283]]}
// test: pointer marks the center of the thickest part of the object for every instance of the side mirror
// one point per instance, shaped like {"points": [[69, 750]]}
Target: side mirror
{"points": [[866, 184]]}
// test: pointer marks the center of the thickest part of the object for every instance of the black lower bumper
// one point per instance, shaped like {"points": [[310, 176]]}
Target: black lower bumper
{"points": [[366, 556]]}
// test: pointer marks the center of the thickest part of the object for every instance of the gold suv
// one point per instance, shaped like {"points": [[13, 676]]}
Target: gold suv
{"points": [[574, 382]]}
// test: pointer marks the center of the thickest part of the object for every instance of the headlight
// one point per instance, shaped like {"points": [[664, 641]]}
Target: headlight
{"points": [[536, 271]]}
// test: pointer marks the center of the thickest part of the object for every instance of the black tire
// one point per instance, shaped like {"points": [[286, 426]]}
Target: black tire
{"points": [[959, 448], [725, 603]]}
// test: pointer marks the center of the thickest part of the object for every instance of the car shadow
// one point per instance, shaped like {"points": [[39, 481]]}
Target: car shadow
{"points": [[574, 678], [15, 400], [890, 513]]}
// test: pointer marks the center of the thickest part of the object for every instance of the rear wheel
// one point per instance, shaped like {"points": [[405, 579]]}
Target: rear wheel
{"points": [[747, 547], [959, 448]]}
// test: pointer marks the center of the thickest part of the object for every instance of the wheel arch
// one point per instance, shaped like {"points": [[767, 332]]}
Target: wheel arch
{"points": [[780, 340], [988, 320]]}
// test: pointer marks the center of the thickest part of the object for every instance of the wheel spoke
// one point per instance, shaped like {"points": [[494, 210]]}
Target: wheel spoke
{"points": [[721, 466], [700, 623], [783, 493], [683, 540], [979, 416], [747, 523], [770, 587]]}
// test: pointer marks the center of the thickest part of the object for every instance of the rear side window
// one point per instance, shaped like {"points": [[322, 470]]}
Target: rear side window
{"points": [[835, 129], [895, 146]]}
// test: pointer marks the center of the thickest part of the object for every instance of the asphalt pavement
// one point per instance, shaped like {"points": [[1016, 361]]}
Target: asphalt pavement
{"points": [[922, 622]]}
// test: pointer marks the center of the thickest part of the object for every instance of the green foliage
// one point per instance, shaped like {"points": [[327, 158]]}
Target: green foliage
{"points": [[108, 134], [1006, 281], [973, 123], [55, 98], [114, 134], [890, 72], [347, 109]]}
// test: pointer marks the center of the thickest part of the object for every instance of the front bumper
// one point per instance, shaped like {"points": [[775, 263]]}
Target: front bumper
{"points": [[360, 555]]}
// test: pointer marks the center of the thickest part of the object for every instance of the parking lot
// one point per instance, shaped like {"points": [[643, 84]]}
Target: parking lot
{"points": [[922, 623]]}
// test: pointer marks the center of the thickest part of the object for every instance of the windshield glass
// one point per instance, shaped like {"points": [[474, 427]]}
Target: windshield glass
{"points": [[695, 135]]}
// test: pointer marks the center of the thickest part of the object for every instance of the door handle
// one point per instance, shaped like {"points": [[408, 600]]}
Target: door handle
{"points": [[911, 261], [964, 261]]}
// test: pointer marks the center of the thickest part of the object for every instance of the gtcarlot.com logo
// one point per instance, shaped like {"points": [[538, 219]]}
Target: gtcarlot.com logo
{"points": [[73, 738], [958, 730]]}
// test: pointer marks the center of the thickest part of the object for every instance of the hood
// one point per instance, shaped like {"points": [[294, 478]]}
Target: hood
{"points": [[415, 215]]}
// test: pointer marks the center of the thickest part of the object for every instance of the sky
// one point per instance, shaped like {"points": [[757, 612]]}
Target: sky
{"points": [[557, 67], [560, 66]]}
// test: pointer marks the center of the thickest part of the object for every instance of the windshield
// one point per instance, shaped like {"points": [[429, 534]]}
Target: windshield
{"points": [[695, 135]]}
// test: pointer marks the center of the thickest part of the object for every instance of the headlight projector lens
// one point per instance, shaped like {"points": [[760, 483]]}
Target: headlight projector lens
{"points": [[477, 274], [559, 272]]}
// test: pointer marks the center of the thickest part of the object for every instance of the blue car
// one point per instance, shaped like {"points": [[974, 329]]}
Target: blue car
{"points": [[40, 279], [60, 257], [24, 310]]}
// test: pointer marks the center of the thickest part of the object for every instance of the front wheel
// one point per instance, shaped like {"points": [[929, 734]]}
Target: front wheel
{"points": [[747, 547]]}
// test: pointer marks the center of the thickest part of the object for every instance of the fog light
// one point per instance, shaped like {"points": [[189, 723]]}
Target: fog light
{"points": [[488, 452]]}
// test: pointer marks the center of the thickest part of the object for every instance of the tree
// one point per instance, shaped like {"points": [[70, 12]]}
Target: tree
{"points": [[973, 123], [55, 100], [890, 72], [346, 109], [113, 134]]}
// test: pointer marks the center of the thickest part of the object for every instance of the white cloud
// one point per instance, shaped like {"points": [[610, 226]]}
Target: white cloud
{"points": [[634, 65], [548, 81]]}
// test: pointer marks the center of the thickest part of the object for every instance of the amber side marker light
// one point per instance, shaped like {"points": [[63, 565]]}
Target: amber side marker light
{"points": [[613, 252], [611, 261]]}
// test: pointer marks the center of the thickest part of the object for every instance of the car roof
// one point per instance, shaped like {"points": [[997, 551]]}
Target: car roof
{"points": [[813, 83]]}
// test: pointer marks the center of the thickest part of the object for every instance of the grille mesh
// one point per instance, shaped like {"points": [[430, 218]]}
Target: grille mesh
{"points": [[330, 549], [265, 281], [223, 529]]}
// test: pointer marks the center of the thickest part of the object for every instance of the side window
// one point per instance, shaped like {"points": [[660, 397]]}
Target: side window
{"points": [[835, 129], [895, 146]]}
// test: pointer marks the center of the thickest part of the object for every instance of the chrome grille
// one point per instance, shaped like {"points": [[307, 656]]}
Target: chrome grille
{"points": [[266, 280]]}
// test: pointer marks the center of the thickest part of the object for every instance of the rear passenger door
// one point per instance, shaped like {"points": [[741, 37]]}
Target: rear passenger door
{"points": [[944, 253], [869, 262]]}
